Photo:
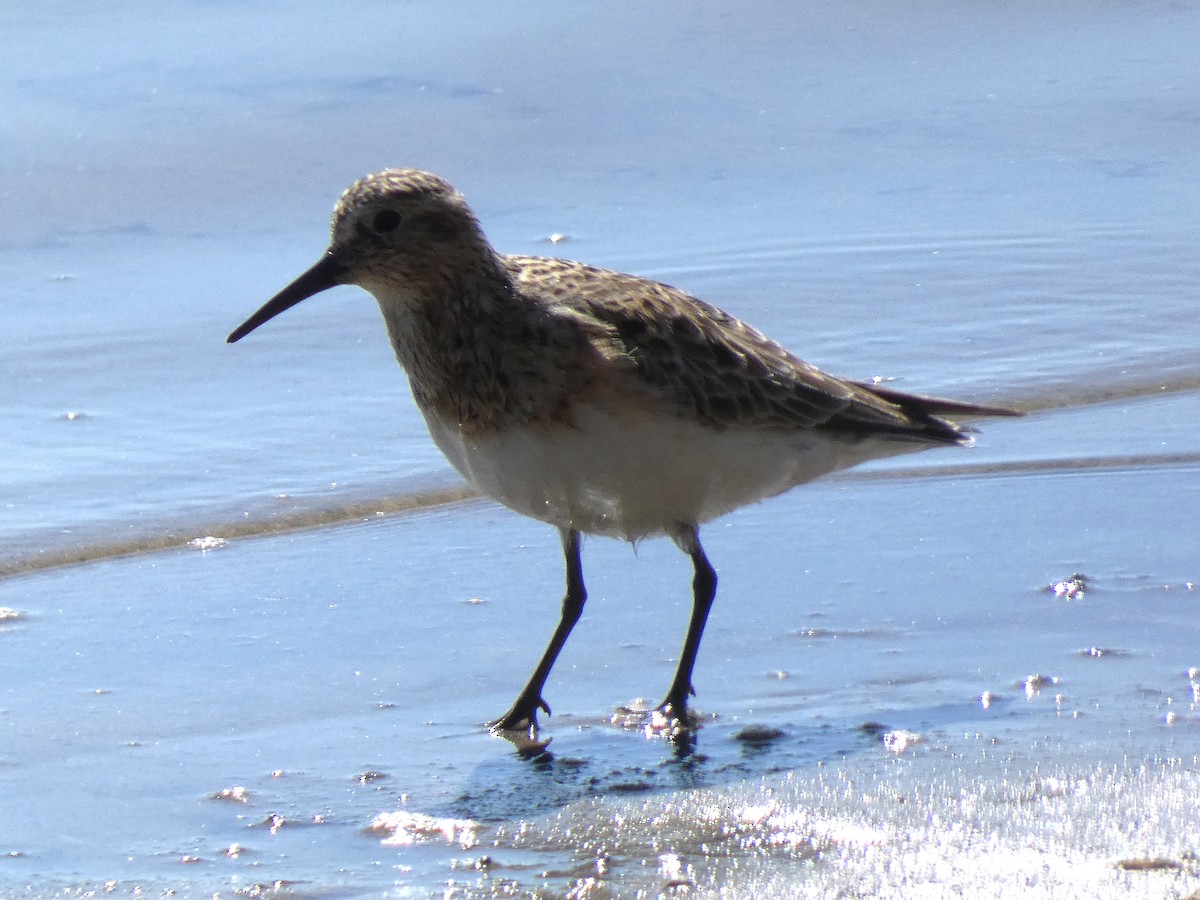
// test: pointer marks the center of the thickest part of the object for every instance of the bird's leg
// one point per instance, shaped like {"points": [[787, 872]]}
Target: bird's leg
{"points": [[704, 588], [523, 713]]}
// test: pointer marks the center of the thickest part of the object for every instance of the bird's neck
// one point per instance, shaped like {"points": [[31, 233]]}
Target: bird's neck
{"points": [[477, 353]]}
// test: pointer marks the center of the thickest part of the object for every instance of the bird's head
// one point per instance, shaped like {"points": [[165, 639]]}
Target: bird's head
{"points": [[398, 234]]}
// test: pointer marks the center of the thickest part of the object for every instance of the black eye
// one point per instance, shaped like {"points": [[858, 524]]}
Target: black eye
{"points": [[385, 220]]}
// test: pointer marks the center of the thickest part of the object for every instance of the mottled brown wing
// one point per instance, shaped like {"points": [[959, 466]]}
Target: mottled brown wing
{"points": [[715, 368]]}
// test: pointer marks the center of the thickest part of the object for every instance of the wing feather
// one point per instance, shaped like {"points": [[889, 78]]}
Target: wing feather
{"points": [[703, 363]]}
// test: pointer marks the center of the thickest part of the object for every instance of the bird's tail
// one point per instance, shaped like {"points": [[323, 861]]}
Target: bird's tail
{"points": [[928, 412]]}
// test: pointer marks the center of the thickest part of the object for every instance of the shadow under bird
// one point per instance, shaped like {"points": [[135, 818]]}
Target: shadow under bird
{"points": [[599, 402]]}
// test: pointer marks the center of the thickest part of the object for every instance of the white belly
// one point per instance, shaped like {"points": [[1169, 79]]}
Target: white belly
{"points": [[642, 478]]}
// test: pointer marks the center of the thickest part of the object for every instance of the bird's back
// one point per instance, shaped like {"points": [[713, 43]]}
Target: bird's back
{"points": [[705, 365]]}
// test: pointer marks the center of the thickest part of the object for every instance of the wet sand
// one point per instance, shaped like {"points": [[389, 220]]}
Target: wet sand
{"points": [[881, 685], [250, 624]]}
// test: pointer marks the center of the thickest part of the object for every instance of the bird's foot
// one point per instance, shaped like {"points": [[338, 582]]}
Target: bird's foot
{"points": [[673, 716], [521, 716]]}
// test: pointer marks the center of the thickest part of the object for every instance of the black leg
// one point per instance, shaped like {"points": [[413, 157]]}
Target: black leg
{"points": [[523, 713], [704, 588]]}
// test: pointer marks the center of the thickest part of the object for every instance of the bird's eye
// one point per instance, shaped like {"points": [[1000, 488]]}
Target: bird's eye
{"points": [[385, 220]]}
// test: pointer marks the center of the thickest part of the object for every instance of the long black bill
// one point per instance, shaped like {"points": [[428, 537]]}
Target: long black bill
{"points": [[328, 272]]}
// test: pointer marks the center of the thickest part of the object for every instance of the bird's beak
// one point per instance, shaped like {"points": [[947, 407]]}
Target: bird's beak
{"points": [[328, 272]]}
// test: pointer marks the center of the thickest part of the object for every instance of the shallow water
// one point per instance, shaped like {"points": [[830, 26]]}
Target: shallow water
{"points": [[997, 204]]}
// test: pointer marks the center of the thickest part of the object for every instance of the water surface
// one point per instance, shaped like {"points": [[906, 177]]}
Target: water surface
{"points": [[994, 203]]}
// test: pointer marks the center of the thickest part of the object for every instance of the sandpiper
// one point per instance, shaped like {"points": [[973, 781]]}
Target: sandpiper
{"points": [[598, 402]]}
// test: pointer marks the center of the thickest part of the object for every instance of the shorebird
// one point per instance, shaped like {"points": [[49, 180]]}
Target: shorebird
{"points": [[598, 402]]}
